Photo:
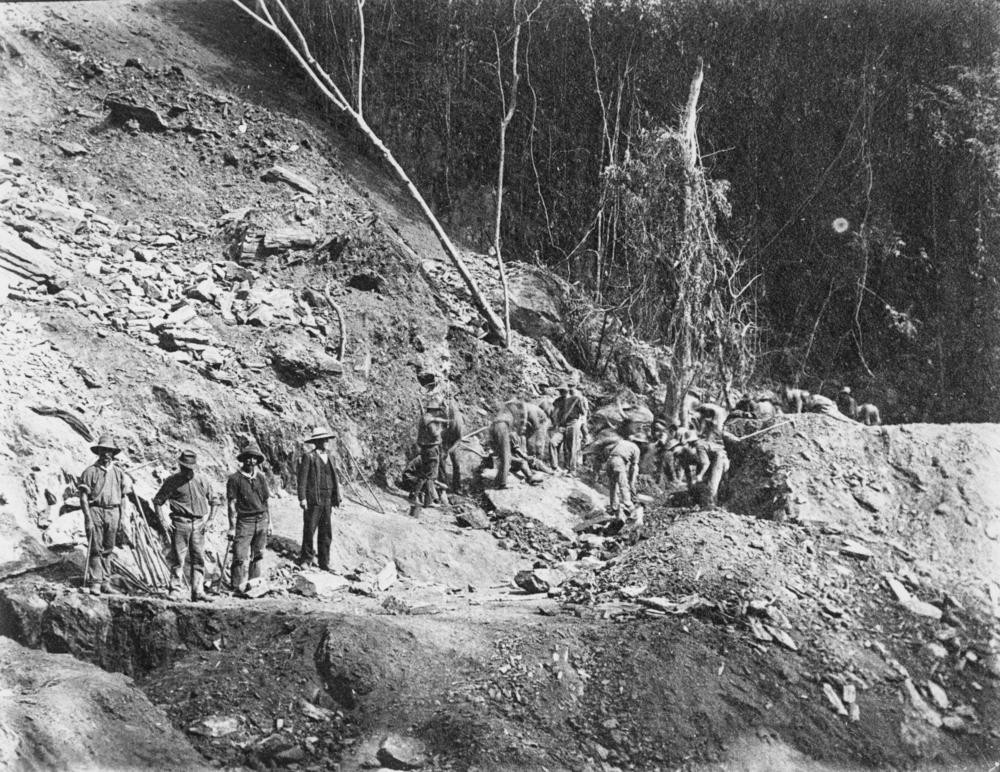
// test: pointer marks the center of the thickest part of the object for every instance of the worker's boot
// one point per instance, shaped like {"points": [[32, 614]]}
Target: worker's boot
{"points": [[107, 589], [95, 588]]}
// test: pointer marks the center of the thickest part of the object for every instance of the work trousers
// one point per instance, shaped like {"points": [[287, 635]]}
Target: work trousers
{"points": [[104, 523], [710, 492], [567, 442], [500, 438], [619, 487], [316, 517], [428, 470], [248, 547], [187, 542]]}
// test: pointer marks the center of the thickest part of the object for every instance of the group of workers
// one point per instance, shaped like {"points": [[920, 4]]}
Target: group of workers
{"points": [[186, 504], [544, 436], [555, 433]]}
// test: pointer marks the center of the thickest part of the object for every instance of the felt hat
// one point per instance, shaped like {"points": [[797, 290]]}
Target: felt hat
{"points": [[563, 387], [189, 459], [105, 442], [846, 390], [251, 450], [320, 433]]}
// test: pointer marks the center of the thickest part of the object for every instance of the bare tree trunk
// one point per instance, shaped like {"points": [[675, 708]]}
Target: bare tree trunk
{"points": [[510, 107], [321, 79]]}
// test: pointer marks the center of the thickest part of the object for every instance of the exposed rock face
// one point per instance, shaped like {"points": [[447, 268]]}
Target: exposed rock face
{"points": [[534, 309], [61, 713]]}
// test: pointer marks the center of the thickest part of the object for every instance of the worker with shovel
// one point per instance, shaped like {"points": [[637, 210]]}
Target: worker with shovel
{"points": [[185, 504], [249, 517], [103, 488]]}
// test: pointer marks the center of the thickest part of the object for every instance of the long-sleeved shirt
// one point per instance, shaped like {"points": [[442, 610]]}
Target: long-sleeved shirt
{"points": [[104, 487], [189, 498]]}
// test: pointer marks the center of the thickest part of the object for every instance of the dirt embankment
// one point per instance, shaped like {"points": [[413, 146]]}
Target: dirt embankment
{"points": [[194, 317]]}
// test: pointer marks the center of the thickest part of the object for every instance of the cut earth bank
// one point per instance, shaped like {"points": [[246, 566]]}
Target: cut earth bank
{"points": [[708, 640]]}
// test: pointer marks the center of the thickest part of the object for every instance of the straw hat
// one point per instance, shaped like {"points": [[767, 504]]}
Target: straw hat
{"points": [[320, 433]]}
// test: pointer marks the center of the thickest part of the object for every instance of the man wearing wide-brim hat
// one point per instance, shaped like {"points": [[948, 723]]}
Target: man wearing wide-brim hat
{"points": [[103, 487], [249, 517], [185, 504], [319, 492]]}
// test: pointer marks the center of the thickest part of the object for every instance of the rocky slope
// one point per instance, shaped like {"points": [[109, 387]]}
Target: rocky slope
{"points": [[173, 216]]}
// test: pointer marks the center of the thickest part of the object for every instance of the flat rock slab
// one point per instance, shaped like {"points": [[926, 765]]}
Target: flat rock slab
{"points": [[558, 502], [61, 713]]}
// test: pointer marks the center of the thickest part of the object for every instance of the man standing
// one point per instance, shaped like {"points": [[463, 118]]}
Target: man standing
{"points": [[571, 413], [846, 403], [185, 504], [429, 433], [249, 517], [103, 487], [319, 492]]}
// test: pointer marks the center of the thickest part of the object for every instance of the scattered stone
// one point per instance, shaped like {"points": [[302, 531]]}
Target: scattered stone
{"points": [[181, 315], [261, 315], [145, 118], [854, 549], [215, 726], [926, 712], [288, 237], [954, 723], [72, 149], [212, 356], [834, 699], [938, 695], [387, 576], [235, 215], [290, 178], [850, 694], [314, 712], [398, 752], [937, 650], [206, 290], [94, 268], [782, 637]]}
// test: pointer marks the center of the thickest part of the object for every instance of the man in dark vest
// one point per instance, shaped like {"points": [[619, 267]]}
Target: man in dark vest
{"points": [[319, 492], [103, 487]]}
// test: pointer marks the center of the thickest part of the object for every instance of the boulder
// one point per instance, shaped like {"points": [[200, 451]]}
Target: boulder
{"points": [[215, 726], [297, 363], [539, 579], [145, 118], [557, 502], [319, 585], [534, 302], [399, 752]]}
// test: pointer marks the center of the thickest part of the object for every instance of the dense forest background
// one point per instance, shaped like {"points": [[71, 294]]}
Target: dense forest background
{"points": [[853, 145]]}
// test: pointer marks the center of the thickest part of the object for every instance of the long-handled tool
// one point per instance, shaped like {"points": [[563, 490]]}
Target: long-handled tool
{"points": [[90, 551]]}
